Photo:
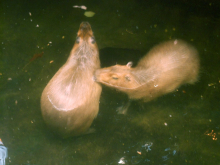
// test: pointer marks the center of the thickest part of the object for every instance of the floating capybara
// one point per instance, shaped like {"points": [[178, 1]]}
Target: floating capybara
{"points": [[166, 67], [70, 101]]}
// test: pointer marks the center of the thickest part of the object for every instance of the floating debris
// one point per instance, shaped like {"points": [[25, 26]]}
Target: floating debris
{"points": [[128, 31], [212, 134], [139, 152], [89, 13], [122, 161], [49, 43], [34, 58], [81, 7], [211, 84]]}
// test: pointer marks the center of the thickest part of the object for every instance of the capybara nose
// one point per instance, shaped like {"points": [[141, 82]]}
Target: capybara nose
{"points": [[85, 26]]}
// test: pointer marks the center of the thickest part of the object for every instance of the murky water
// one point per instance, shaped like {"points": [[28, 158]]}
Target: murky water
{"points": [[178, 128]]}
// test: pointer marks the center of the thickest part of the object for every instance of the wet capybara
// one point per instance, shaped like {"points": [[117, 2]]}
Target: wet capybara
{"points": [[70, 101], [164, 68]]}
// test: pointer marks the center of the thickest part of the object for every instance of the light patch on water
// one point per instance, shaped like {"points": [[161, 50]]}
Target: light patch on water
{"points": [[3, 154]]}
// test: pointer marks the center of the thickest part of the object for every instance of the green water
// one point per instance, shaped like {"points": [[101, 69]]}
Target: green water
{"points": [[170, 130]]}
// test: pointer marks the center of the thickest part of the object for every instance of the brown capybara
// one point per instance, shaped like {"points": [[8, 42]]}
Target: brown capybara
{"points": [[166, 67], [70, 101]]}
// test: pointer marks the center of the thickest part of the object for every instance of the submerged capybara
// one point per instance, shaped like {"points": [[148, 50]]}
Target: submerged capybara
{"points": [[166, 67], [70, 101]]}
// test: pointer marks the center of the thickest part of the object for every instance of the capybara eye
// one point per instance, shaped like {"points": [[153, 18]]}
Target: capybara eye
{"points": [[77, 39], [115, 78], [93, 40], [128, 78]]}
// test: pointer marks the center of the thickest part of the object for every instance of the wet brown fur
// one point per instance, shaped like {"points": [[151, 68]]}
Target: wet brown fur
{"points": [[70, 101], [166, 67]]}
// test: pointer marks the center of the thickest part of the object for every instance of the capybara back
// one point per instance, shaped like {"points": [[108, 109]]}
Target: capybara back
{"points": [[70, 101]]}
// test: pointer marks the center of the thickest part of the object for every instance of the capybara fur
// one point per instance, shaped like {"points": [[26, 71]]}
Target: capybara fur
{"points": [[164, 68], [70, 101]]}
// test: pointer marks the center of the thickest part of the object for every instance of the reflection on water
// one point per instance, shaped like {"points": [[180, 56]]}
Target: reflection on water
{"points": [[143, 154], [137, 157], [3, 153], [179, 128]]}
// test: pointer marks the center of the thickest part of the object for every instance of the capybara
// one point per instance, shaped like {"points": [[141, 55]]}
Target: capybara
{"points": [[164, 68], [70, 101]]}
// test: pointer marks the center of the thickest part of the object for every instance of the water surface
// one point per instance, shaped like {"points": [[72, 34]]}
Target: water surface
{"points": [[178, 128]]}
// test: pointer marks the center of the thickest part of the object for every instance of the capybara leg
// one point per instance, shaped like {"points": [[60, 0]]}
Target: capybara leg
{"points": [[124, 108], [90, 130]]}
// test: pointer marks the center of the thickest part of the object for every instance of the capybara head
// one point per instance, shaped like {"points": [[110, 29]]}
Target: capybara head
{"points": [[85, 33], [117, 76], [85, 46]]}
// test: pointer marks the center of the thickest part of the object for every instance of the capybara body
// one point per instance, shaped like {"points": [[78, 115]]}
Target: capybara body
{"points": [[165, 67], [70, 101]]}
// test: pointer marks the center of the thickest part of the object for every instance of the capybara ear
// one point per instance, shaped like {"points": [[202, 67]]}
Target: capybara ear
{"points": [[129, 64]]}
